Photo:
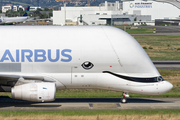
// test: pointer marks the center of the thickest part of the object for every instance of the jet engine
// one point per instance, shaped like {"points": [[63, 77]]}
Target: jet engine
{"points": [[38, 92]]}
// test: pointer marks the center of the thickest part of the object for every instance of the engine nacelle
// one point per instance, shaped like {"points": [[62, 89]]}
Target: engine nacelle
{"points": [[38, 92]]}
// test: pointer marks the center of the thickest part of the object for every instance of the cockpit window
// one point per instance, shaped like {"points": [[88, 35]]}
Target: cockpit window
{"points": [[160, 78]]}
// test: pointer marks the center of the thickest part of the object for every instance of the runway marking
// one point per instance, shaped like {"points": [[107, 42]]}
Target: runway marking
{"points": [[90, 105], [104, 105]]}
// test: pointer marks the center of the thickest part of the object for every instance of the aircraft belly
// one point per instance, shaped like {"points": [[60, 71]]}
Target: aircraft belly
{"points": [[84, 80], [63, 78], [109, 82], [143, 88]]}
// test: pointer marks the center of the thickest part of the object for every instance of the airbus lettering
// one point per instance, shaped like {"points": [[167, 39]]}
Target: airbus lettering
{"points": [[40, 55]]}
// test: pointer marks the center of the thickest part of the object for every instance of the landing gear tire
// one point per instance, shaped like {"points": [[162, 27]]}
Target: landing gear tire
{"points": [[123, 100]]}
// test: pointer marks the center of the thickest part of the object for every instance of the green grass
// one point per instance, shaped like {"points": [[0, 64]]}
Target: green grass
{"points": [[135, 31], [169, 72], [89, 112], [139, 31], [122, 26], [162, 46]]}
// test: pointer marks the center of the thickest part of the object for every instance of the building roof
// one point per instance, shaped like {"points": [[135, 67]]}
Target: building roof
{"points": [[173, 2]]}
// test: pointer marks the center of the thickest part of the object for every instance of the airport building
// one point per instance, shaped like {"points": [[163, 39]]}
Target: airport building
{"points": [[135, 12], [34, 8], [158, 9], [13, 8], [6, 8], [105, 13]]}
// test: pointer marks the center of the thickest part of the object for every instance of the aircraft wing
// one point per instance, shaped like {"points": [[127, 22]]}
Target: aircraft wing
{"points": [[11, 80], [8, 80]]}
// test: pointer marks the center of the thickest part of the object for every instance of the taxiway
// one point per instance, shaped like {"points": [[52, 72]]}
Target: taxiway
{"points": [[92, 104]]}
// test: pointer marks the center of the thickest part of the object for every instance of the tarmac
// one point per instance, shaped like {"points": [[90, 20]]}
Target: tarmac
{"points": [[173, 34], [164, 29], [167, 64], [91, 104]]}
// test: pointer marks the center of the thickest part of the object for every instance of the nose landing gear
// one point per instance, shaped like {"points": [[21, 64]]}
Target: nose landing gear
{"points": [[125, 95]]}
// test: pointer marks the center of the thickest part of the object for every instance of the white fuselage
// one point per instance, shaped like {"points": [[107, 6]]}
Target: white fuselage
{"points": [[58, 53], [11, 20]]}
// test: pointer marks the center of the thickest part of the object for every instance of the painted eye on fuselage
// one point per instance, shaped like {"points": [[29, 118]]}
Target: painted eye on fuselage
{"points": [[87, 65]]}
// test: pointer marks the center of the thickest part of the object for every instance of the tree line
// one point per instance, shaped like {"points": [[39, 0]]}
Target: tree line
{"points": [[39, 13]]}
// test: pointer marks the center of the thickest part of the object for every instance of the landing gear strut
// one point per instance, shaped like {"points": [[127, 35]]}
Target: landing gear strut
{"points": [[124, 100]]}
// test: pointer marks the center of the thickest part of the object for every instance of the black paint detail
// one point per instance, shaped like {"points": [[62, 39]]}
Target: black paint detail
{"points": [[164, 63], [135, 79], [87, 65]]}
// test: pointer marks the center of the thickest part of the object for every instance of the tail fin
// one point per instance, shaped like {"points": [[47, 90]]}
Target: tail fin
{"points": [[26, 11]]}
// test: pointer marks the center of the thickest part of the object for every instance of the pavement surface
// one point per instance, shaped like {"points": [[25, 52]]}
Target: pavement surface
{"points": [[164, 29], [175, 34], [167, 64], [92, 104]]}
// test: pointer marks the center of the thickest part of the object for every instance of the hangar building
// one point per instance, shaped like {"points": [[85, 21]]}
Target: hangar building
{"points": [[158, 9], [125, 12]]}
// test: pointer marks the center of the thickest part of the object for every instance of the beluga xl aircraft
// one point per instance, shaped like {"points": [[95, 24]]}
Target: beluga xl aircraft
{"points": [[15, 20], [66, 57]]}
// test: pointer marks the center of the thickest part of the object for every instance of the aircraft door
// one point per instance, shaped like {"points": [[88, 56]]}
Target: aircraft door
{"points": [[77, 78]]}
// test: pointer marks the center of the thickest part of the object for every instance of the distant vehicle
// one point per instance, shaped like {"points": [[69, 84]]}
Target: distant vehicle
{"points": [[54, 57], [14, 20]]}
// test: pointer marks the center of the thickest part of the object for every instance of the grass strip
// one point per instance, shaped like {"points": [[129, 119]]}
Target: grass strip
{"points": [[89, 112], [85, 93], [139, 31], [135, 31], [160, 47]]}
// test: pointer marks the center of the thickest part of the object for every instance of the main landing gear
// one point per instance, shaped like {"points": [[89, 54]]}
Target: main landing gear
{"points": [[125, 95]]}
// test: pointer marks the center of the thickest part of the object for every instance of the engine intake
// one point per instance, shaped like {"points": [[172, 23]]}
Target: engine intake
{"points": [[38, 92]]}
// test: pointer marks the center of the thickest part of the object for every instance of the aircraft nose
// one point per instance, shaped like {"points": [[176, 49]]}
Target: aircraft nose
{"points": [[164, 87], [169, 86]]}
